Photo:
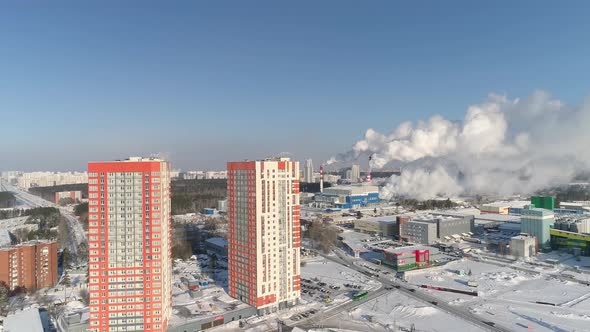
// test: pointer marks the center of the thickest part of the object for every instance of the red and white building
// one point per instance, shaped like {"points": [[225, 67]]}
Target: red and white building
{"points": [[129, 245], [264, 233]]}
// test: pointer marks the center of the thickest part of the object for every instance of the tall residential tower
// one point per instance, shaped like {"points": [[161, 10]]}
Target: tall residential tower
{"points": [[308, 172], [264, 233], [129, 245]]}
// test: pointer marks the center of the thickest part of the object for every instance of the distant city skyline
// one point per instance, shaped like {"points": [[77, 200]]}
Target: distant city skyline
{"points": [[205, 83]]}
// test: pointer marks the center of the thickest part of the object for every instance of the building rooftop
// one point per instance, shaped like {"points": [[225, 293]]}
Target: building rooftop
{"points": [[522, 237], [28, 320], [400, 250], [489, 217], [218, 241], [4, 237], [515, 204], [352, 189], [571, 217], [385, 219], [536, 212]]}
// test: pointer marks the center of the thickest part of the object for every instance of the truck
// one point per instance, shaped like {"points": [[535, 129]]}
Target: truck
{"points": [[472, 283]]}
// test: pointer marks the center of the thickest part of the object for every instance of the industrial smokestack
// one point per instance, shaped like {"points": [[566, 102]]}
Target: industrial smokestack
{"points": [[321, 178], [369, 174]]}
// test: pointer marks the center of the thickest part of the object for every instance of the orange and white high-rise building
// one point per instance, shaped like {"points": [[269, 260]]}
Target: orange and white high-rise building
{"points": [[264, 233], [129, 245]]}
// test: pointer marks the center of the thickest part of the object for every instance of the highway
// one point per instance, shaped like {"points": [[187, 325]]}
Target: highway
{"points": [[77, 234], [344, 259]]}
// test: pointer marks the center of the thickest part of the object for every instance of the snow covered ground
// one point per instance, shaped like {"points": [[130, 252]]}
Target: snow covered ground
{"points": [[511, 297], [395, 311]]}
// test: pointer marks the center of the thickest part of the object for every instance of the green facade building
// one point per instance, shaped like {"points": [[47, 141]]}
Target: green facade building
{"points": [[543, 202]]}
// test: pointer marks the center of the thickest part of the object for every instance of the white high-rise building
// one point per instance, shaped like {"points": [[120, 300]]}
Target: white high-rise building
{"points": [[355, 173], [130, 268], [308, 175], [264, 233]]}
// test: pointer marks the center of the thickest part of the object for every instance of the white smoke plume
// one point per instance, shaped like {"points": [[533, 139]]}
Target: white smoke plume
{"points": [[502, 146]]}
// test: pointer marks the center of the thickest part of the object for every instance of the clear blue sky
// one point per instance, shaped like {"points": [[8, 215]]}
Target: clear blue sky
{"points": [[209, 81]]}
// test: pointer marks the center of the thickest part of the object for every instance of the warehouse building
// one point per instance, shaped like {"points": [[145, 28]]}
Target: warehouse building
{"points": [[503, 207], [349, 197], [570, 241], [421, 232], [380, 226], [446, 227]]}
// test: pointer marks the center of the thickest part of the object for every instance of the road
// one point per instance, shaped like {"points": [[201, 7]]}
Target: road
{"points": [[76, 231], [343, 258]]}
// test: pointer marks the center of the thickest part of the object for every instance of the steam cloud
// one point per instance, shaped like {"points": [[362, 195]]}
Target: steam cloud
{"points": [[502, 146]]}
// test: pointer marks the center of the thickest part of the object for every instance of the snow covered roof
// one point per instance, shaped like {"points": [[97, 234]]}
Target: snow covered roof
{"points": [[28, 320], [4, 237]]}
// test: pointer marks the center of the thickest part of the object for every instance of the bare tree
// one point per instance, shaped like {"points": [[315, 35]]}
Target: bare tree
{"points": [[84, 296]]}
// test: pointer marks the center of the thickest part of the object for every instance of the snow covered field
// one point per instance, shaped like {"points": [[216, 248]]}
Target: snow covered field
{"points": [[395, 311], [511, 297]]}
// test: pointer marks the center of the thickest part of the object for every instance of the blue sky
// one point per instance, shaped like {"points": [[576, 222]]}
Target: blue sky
{"points": [[206, 82]]}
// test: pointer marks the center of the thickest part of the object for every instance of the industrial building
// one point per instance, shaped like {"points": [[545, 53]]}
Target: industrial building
{"points": [[543, 202], [32, 264], [446, 227], [421, 232], [406, 258], [523, 246], [570, 241], [578, 206], [349, 197], [503, 207], [537, 222], [129, 240], [573, 223], [380, 226], [264, 233]]}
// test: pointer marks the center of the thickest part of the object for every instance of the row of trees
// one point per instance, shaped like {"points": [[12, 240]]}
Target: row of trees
{"points": [[427, 204], [7, 200], [194, 195], [322, 236]]}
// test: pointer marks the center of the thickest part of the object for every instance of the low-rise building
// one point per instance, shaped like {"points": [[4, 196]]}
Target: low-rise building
{"points": [[446, 227], [376, 226], [31, 320], [570, 241], [406, 258], [523, 246], [217, 246], [503, 207], [349, 196], [76, 321]]}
